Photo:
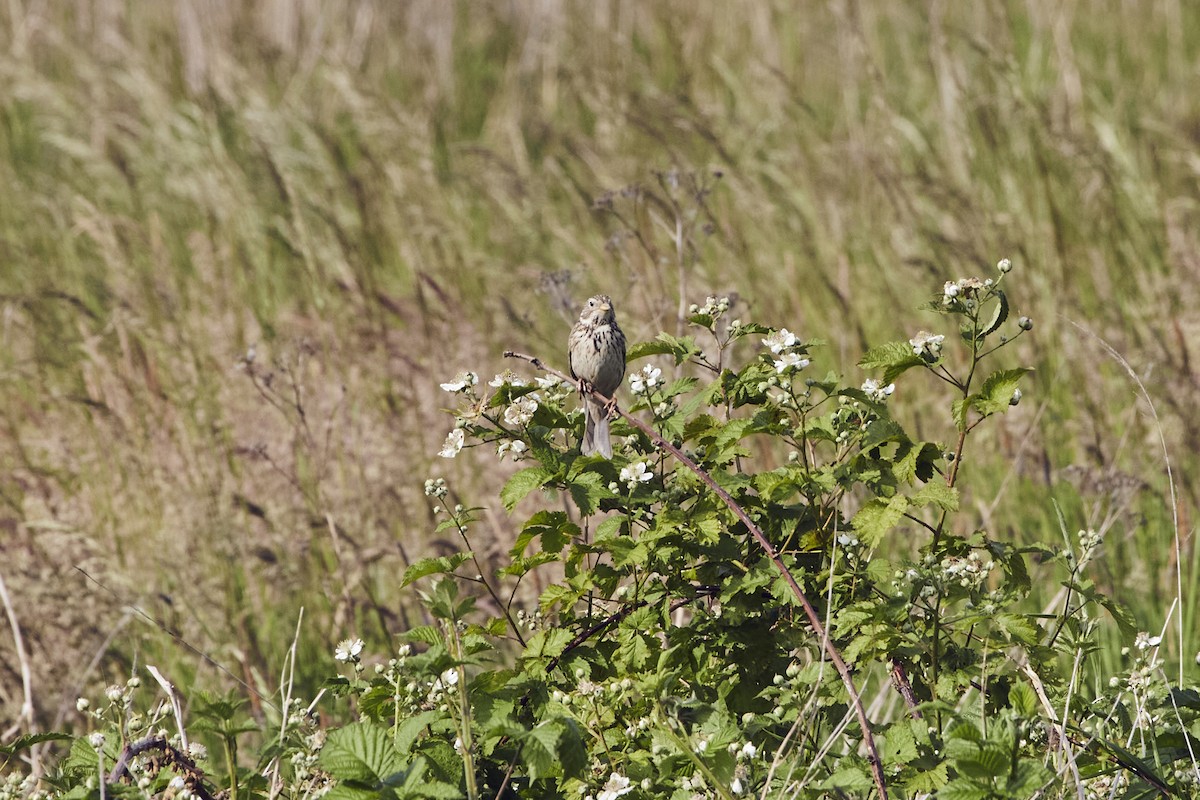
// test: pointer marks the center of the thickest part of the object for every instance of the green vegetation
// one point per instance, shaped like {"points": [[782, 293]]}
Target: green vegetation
{"points": [[240, 248]]}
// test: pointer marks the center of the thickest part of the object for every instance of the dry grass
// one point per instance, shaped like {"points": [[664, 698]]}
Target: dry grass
{"points": [[378, 197]]}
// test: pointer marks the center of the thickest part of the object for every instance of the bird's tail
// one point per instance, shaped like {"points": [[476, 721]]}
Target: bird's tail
{"points": [[595, 429]]}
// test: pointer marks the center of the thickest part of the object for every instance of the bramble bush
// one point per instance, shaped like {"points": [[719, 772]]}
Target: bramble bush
{"points": [[711, 627]]}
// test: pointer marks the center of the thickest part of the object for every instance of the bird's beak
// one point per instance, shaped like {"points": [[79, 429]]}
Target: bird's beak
{"points": [[605, 307]]}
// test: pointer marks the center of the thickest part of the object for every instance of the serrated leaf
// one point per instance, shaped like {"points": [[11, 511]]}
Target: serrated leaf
{"points": [[1022, 699], [30, 739], [964, 789], [999, 314], [362, 752], [554, 748], [587, 490], [929, 779], [938, 494], [877, 517], [959, 410], [895, 358], [412, 727], [851, 777], [521, 484], [433, 566], [664, 344], [426, 634], [881, 431], [997, 391], [1019, 627]]}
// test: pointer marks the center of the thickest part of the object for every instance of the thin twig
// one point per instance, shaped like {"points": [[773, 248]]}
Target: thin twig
{"points": [[26, 712], [834, 655]]}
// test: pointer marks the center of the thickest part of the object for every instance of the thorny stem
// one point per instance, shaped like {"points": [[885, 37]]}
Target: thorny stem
{"points": [[814, 619]]}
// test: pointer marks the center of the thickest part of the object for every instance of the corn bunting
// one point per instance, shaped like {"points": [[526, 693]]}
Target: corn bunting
{"points": [[597, 354]]}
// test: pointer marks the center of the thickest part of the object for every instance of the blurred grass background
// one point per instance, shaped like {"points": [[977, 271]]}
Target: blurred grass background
{"points": [[376, 195]]}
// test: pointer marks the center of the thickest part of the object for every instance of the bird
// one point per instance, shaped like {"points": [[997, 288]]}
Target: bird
{"points": [[596, 351]]}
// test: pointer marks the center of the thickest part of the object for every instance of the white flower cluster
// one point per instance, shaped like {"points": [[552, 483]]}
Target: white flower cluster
{"points": [[506, 378], [874, 391], [520, 411], [780, 340], [963, 291], [436, 487], [969, 572], [927, 345], [647, 378], [782, 343], [713, 307]]}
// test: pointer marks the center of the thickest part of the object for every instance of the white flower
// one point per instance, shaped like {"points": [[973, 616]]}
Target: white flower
{"points": [[748, 750], [1145, 641], [878, 393], [617, 786], [791, 361], [450, 677], [521, 410], [926, 343], [176, 783], [548, 382], [950, 291], [113, 693], [96, 740], [637, 473], [516, 447], [458, 744], [508, 377], [454, 443], [847, 540], [82, 704], [461, 381], [736, 786], [780, 340], [648, 378], [197, 751], [348, 650]]}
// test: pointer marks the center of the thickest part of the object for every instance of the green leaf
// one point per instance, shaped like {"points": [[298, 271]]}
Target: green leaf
{"points": [[1019, 627], [664, 344], [999, 314], [964, 789], [1022, 699], [412, 727], [851, 776], [554, 748], [553, 528], [362, 752], [587, 490], [30, 739], [997, 391], [521, 484], [959, 409], [928, 779], [877, 517], [433, 566], [881, 431], [895, 358], [938, 494]]}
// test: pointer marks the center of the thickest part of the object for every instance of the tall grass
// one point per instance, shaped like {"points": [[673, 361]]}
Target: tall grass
{"points": [[374, 195]]}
